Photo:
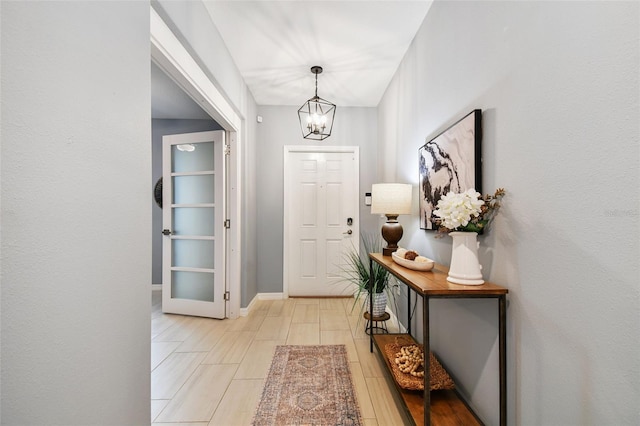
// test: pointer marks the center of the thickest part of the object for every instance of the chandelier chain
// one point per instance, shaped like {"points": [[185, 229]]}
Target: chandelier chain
{"points": [[316, 84]]}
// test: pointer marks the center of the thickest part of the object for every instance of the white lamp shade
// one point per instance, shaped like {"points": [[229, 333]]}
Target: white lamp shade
{"points": [[391, 198]]}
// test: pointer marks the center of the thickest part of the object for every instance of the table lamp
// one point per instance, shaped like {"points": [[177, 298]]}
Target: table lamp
{"points": [[391, 200]]}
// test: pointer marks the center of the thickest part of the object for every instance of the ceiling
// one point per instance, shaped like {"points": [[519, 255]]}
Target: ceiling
{"points": [[359, 43]]}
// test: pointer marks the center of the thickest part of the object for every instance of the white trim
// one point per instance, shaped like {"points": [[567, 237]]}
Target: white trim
{"points": [[271, 296], [170, 55], [244, 312], [320, 148], [394, 321], [289, 149], [234, 236], [260, 296]]}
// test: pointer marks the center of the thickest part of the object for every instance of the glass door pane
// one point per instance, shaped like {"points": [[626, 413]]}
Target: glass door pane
{"points": [[201, 158], [193, 254], [194, 185], [192, 285], [194, 221], [194, 189]]}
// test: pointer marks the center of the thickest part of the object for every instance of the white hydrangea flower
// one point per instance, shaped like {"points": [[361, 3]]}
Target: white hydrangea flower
{"points": [[456, 210]]}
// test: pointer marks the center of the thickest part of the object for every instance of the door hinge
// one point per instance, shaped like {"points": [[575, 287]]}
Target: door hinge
{"points": [[227, 223], [227, 296], [227, 149]]}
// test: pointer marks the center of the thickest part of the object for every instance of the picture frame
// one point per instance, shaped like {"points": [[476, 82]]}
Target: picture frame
{"points": [[451, 161]]}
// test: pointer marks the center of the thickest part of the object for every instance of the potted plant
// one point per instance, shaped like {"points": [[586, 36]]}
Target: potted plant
{"points": [[463, 216], [356, 270]]}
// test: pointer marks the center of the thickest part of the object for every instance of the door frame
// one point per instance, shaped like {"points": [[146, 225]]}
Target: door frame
{"points": [[288, 150], [171, 56]]}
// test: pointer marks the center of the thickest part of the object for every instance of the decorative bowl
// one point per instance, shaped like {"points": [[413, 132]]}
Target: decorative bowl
{"points": [[413, 264]]}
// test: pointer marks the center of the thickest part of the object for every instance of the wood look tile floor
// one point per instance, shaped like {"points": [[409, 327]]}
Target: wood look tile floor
{"points": [[208, 372]]}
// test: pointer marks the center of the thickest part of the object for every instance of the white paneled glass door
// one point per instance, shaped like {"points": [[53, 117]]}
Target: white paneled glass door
{"points": [[193, 249]]}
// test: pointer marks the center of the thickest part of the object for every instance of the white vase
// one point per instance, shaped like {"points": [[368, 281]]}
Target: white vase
{"points": [[465, 267], [379, 304]]}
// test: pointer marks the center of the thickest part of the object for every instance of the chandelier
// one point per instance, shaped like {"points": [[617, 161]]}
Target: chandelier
{"points": [[316, 115]]}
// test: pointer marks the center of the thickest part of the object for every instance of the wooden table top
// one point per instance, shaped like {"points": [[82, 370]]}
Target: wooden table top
{"points": [[434, 282]]}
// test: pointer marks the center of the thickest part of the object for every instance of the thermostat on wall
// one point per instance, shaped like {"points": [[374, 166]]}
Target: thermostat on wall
{"points": [[367, 199]]}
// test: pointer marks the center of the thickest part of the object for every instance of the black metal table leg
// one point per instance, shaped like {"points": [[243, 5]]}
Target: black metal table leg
{"points": [[502, 349], [427, 360], [371, 304], [409, 311]]}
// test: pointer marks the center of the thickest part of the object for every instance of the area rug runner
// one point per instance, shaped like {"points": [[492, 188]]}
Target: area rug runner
{"points": [[308, 385]]}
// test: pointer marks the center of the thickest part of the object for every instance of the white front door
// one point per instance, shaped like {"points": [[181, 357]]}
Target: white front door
{"points": [[321, 218], [193, 249]]}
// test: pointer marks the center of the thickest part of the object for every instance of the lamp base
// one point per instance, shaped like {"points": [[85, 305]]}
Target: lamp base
{"points": [[391, 232], [386, 251]]}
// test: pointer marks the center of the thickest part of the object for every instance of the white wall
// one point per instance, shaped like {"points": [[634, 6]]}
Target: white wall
{"points": [[280, 127], [76, 242], [559, 86]]}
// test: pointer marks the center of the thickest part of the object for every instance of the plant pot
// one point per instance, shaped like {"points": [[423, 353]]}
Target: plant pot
{"points": [[379, 304]]}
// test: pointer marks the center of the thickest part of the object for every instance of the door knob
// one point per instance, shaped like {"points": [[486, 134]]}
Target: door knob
{"points": [[349, 232], [166, 232]]}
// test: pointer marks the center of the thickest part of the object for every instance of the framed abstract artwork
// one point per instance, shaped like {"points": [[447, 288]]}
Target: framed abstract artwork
{"points": [[451, 161]]}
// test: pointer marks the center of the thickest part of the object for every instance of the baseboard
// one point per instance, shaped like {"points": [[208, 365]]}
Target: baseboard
{"points": [[245, 311], [260, 296], [395, 322], [270, 296]]}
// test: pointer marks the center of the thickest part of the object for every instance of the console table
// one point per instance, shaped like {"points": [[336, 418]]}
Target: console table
{"points": [[433, 409]]}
